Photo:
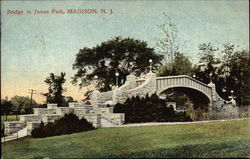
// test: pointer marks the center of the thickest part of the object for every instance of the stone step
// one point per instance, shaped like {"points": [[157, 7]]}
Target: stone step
{"points": [[106, 123]]}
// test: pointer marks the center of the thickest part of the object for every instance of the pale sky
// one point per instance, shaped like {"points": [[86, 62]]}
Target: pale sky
{"points": [[32, 46]]}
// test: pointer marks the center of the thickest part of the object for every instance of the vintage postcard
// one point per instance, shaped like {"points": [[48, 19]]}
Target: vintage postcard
{"points": [[125, 79]]}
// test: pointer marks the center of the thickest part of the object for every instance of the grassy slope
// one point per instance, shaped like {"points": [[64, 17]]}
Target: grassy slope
{"points": [[220, 139]]}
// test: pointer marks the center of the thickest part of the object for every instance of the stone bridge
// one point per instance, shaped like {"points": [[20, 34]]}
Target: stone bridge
{"points": [[152, 84]]}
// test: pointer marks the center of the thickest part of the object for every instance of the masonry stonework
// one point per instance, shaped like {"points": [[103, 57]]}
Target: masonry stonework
{"points": [[100, 115]]}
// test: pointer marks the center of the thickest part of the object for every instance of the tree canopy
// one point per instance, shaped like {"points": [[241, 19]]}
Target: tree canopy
{"points": [[6, 107], [229, 72], [22, 104], [125, 56], [55, 90]]}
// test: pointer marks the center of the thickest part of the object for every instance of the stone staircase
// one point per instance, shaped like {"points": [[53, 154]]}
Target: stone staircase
{"points": [[103, 115]]}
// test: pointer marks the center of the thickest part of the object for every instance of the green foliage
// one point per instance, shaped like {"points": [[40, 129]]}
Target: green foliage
{"points": [[181, 66], [240, 73], [123, 55], [68, 124], [55, 90], [230, 72], [6, 107], [22, 103], [207, 63], [148, 109]]}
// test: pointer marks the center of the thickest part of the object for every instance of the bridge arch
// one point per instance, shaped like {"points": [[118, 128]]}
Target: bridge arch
{"points": [[161, 90], [164, 83], [193, 93]]}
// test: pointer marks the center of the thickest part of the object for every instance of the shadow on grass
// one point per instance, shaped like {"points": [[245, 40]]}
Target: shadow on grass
{"points": [[239, 148]]}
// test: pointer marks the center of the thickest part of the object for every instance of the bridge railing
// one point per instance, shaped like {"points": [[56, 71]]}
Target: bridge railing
{"points": [[182, 80], [183, 76]]}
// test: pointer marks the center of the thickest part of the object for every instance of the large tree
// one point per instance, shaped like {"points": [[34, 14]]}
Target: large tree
{"points": [[229, 72], [207, 68], [170, 44], [55, 90], [6, 107], [102, 61], [238, 81]]}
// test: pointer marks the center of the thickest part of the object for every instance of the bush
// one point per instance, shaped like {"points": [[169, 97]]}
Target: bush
{"points": [[68, 124], [148, 109]]}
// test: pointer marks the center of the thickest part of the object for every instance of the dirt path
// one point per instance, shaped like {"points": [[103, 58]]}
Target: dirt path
{"points": [[175, 123]]}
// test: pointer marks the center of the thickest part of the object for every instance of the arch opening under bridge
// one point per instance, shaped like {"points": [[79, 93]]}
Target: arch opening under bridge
{"points": [[197, 98]]}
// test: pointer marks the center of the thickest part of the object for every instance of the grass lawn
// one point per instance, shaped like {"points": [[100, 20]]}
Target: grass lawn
{"points": [[218, 139]]}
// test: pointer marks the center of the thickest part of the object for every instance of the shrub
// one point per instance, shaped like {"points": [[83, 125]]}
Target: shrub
{"points": [[68, 124], [148, 109]]}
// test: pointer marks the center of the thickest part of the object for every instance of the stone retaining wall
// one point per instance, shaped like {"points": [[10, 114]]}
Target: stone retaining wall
{"points": [[105, 96], [226, 111], [32, 125], [30, 117], [80, 111], [13, 126], [64, 110], [116, 118], [95, 119], [50, 117], [39, 111]]}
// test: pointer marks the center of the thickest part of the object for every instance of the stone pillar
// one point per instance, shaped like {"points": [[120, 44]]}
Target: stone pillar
{"points": [[214, 97], [151, 88], [94, 99]]}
